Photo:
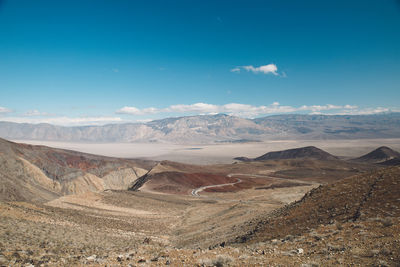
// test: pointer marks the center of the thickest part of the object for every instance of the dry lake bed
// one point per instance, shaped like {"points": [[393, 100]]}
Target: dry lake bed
{"points": [[218, 153]]}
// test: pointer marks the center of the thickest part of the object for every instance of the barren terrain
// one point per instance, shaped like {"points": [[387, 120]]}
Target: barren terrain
{"points": [[313, 209]]}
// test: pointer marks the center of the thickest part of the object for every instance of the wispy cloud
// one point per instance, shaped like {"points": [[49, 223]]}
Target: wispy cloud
{"points": [[144, 120], [66, 121], [251, 111], [367, 111], [264, 69], [36, 112], [5, 110]]}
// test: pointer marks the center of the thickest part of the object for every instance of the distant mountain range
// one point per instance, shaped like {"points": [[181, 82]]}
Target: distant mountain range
{"points": [[216, 128]]}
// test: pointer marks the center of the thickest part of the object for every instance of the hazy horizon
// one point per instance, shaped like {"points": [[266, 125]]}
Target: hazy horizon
{"points": [[77, 122]]}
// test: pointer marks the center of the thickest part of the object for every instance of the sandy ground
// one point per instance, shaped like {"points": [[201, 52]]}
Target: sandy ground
{"points": [[92, 201], [117, 228], [219, 153]]}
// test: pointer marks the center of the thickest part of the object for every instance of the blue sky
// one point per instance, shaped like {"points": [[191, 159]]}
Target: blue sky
{"points": [[94, 62]]}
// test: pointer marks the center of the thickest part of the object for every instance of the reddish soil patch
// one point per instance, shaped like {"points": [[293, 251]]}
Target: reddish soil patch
{"points": [[60, 164], [183, 183]]}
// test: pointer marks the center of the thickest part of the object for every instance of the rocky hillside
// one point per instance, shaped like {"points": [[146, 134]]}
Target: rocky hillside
{"points": [[357, 198], [38, 173], [216, 128]]}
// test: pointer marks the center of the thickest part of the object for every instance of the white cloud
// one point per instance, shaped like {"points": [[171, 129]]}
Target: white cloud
{"points": [[150, 110], [318, 108], [66, 121], [129, 110], [180, 108], [196, 108], [247, 111], [235, 109], [265, 69], [136, 111], [350, 107], [5, 110]]}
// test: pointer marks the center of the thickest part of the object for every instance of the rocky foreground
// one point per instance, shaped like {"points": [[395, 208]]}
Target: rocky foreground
{"points": [[373, 242], [363, 229]]}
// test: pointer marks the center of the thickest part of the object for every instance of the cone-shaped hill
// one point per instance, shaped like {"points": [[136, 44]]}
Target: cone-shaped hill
{"points": [[311, 152], [380, 155]]}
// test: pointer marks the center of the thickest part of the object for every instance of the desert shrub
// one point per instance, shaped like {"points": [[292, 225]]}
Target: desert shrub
{"points": [[222, 260], [219, 261], [339, 226], [386, 222], [205, 262]]}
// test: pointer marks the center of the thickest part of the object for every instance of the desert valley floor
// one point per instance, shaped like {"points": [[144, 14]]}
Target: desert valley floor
{"points": [[218, 153], [301, 206]]}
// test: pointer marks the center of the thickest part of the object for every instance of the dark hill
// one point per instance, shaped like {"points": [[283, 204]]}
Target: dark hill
{"points": [[379, 155], [244, 159], [295, 153]]}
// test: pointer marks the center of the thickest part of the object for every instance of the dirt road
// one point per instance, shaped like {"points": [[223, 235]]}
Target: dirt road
{"points": [[195, 192]]}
